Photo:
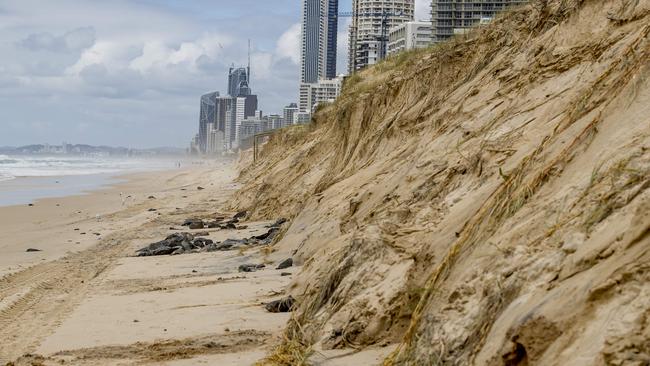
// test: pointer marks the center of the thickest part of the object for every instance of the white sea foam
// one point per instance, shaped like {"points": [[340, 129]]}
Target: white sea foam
{"points": [[5, 176], [49, 166]]}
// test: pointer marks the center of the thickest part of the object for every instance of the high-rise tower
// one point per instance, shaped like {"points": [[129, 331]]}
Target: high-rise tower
{"points": [[371, 20], [238, 79], [208, 115], [453, 17], [318, 40]]}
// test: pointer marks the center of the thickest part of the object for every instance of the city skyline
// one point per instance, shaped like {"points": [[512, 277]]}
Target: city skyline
{"points": [[95, 70]]}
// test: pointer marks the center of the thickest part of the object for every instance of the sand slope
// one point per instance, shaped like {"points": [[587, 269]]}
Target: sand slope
{"points": [[483, 202]]}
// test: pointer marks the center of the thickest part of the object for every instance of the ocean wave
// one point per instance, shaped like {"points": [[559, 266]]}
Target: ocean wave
{"points": [[48, 166], [5, 177]]}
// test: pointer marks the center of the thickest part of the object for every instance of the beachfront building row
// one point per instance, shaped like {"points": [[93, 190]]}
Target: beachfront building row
{"points": [[323, 91], [408, 36], [371, 23], [258, 124], [289, 114], [226, 115], [234, 124], [386, 27], [215, 139], [455, 17], [221, 117]]}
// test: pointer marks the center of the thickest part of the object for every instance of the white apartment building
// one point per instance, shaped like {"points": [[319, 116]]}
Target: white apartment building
{"points": [[312, 94], [249, 127], [215, 140], [371, 21], [240, 115], [289, 113], [302, 118], [455, 17], [408, 36]]}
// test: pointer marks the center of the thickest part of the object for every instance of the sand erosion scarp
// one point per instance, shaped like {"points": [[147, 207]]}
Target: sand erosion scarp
{"points": [[484, 201]]}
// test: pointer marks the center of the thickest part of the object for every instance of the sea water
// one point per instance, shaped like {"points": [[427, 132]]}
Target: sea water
{"points": [[24, 179]]}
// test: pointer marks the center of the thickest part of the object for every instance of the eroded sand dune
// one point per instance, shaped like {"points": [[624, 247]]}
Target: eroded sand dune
{"points": [[483, 202]]}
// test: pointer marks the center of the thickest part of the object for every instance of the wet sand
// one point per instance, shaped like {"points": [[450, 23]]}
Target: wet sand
{"points": [[85, 299]]}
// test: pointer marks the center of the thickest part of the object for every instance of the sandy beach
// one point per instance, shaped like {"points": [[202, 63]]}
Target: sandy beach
{"points": [[85, 298]]}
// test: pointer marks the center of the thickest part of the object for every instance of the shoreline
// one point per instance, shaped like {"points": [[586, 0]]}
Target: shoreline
{"points": [[48, 298], [26, 226], [25, 190], [187, 309], [21, 190]]}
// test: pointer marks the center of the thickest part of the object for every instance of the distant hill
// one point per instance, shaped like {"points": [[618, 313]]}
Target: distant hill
{"points": [[84, 149]]}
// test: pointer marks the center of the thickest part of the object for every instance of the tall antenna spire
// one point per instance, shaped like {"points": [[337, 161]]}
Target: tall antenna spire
{"points": [[249, 62]]}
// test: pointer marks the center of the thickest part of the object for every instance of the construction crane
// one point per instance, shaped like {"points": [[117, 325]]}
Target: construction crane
{"points": [[384, 16]]}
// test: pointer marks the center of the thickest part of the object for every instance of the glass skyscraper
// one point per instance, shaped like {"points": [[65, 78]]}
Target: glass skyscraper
{"points": [[208, 114], [318, 42], [238, 82]]}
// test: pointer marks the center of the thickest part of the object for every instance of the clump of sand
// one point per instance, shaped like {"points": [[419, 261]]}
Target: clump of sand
{"points": [[484, 201]]}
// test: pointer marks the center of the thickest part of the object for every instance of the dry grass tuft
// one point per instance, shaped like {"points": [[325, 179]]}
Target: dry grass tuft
{"points": [[292, 351]]}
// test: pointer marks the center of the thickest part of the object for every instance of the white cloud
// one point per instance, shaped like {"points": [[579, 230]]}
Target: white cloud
{"points": [[422, 9], [110, 54], [288, 45], [74, 40], [136, 65], [262, 66]]}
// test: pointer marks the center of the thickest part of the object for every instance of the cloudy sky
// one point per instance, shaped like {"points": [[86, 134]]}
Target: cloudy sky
{"points": [[130, 72]]}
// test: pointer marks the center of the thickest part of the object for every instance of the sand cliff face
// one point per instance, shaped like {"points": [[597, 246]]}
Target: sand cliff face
{"points": [[482, 202]]}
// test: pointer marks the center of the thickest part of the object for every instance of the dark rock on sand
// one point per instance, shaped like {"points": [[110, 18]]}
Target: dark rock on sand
{"points": [[228, 244], [216, 247], [202, 242], [250, 267], [200, 188], [268, 236], [189, 222], [168, 246], [152, 197], [179, 243], [284, 274], [196, 225], [152, 210], [285, 263], [30, 250], [278, 223], [281, 306]]}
